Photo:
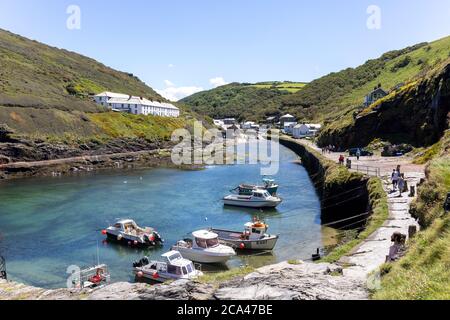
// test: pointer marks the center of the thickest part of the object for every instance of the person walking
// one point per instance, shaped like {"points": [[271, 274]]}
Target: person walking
{"points": [[358, 154], [401, 184], [394, 179], [341, 160]]}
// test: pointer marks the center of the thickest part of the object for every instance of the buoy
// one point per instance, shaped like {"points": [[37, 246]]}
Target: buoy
{"points": [[242, 246], [104, 232], [119, 237], [140, 274], [129, 243], [135, 242], [152, 238], [155, 275]]}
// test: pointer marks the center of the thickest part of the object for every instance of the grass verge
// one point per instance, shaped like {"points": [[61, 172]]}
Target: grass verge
{"points": [[424, 272], [216, 278]]}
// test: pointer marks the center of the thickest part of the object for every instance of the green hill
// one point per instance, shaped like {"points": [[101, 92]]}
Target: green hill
{"points": [[333, 97], [243, 100], [45, 94]]}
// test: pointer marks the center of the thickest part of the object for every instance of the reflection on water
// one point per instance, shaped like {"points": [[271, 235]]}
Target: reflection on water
{"points": [[47, 224]]}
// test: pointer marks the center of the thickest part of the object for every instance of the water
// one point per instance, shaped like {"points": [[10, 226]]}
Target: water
{"points": [[48, 224]]}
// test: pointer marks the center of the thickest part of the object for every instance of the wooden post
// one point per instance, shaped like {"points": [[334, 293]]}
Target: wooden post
{"points": [[412, 230]]}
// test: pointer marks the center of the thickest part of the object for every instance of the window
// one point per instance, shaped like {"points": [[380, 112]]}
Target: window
{"points": [[201, 243], [212, 242], [185, 270]]}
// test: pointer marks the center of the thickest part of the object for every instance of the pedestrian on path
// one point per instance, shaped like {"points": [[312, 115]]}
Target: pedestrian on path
{"points": [[401, 184], [341, 160], [358, 154], [394, 179]]}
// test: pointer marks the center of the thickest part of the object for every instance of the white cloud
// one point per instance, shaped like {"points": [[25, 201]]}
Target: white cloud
{"points": [[217, 82], [169, 83], [171, 65], [174, 93]]}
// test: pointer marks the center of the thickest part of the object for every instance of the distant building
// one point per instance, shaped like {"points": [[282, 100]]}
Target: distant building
{"points": [[136, 105], [288, 127], [305, 130], [375, 95], [287, 119], [229, 121], [250, 125]]}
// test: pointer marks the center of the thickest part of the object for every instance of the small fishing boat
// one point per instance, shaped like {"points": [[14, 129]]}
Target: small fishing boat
{"points": [[254, 237], [258, 199], [205, 248], [247, 189], [173, 267], [91, 278], [128, 232]]}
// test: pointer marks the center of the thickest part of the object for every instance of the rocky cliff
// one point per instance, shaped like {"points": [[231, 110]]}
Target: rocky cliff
{"points": [[417, 114]]}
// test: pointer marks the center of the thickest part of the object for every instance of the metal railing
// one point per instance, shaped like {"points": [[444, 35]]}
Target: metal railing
{"points": [[367, 170]]}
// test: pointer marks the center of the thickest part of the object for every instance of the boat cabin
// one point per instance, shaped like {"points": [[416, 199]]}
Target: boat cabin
{"points": [[255, 230], [264, 194], [177, 265], [205, 239], [126, 226]]}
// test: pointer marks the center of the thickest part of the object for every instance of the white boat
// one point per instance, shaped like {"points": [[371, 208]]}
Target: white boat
{"points": [[128, 232], [258, 199], [173, 267], [254, 237], [205, 248]]}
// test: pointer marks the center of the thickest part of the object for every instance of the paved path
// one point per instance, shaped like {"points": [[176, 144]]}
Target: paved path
{"points": [[369, 255]]}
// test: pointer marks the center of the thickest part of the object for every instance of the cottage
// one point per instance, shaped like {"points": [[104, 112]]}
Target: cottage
{"points": [[287, 119], [306, 130], [288, 127], [375, 95], [136, 105]]}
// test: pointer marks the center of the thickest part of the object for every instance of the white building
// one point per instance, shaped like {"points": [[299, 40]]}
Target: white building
{"points": [[136, 105], [288, 127], [305, 130]]}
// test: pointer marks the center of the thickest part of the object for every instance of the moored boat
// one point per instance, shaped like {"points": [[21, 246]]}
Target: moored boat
{"points": [[205, 248], [128, 232], [254, 237], [258, 199], [269, 185], [173, 267]]}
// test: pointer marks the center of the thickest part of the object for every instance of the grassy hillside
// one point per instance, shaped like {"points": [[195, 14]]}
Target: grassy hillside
{"points": [[37, 75], [243, 100], [44, 94], [332, 98]]}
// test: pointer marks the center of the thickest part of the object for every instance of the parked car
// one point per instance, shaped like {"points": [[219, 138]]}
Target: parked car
{"points": [[364, 153]]}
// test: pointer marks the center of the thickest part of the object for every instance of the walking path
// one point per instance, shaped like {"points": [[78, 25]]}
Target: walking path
{"points": [[368, 256]]}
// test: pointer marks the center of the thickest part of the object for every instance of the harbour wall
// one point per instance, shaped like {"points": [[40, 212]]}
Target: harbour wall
{"points": [[343, 194]]}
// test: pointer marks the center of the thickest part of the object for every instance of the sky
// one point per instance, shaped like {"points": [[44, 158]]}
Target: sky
{"points": [[180, 47]]}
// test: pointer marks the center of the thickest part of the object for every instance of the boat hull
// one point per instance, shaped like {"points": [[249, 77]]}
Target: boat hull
{"points": [[201, 256], [130, 240], [251, 204], [161, 277], [232, 238]]}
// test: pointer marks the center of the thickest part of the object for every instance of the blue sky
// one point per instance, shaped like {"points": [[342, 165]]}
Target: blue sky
{"points": [[181, 46]]}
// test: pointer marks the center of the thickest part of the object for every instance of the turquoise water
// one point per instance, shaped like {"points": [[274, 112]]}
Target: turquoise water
{"points": [[48, 224]]}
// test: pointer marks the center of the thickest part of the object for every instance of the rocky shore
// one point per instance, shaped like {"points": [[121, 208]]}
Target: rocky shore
{"points": [[284, 281]]}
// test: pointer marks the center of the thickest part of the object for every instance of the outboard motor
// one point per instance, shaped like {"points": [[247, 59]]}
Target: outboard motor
{"points": [[143, 262]]}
